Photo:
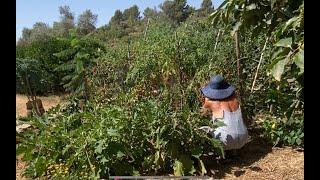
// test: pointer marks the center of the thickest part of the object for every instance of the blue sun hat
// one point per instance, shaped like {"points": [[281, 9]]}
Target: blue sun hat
{"points": [[218, 88]]}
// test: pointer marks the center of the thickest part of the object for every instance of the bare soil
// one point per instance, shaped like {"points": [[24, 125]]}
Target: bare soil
{"points": [[47, 101]]}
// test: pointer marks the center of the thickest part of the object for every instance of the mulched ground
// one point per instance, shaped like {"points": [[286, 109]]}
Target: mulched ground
{"points": [[259, 160]]}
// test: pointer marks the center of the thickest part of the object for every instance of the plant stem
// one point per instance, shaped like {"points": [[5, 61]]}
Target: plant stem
{"points": [[261, 58], [217, 39]]}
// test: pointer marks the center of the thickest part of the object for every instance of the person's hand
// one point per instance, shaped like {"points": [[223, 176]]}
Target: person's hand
{"points": [[204, 111], [207, 129]]}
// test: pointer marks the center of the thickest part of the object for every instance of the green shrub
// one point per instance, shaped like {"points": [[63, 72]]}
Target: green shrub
{"points": [[280, 132], [42, 52], [148, 137]]}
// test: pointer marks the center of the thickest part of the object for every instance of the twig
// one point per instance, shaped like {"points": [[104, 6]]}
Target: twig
{"points": [[240, 60], [217, 39], [255, 76]]}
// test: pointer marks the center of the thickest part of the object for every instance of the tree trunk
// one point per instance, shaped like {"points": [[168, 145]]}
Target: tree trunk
{"points": [[26, 91], [33, 97], [29, 88]]}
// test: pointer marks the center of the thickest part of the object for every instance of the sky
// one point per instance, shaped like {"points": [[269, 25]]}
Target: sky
{"points": [[28, 12]]}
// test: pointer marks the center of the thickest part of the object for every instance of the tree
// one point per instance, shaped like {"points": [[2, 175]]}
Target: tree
{"points": [[40, 27], [177, 11], [117, 17], [116, 26], [149, 13], [86, 22], [132, 13], [39, 32], [43, 52], [206, 8], [281, 21], [26, 36], [66, 22], [29, 76], [81, 52]]}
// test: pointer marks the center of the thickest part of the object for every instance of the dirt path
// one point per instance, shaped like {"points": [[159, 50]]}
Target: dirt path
{"points": [[257, 160], [21, 110]]}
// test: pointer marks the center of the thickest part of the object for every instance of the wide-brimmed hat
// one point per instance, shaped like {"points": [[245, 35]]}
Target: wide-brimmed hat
{"points": [[218, 88]]}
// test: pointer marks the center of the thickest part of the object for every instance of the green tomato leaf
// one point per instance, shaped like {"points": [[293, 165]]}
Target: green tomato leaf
{"points": [[278, 69], [203, 168], [197, 152], [120, 154], [298, 59], [113, 132], [286, 42], [187, 164], [99, 148], [251, 7], [178, 168], [298, 141]]}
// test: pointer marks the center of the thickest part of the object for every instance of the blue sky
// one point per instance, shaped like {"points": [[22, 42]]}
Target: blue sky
{"points": [[29, 12]]}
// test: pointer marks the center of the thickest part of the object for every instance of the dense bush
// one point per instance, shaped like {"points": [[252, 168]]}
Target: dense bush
{"points": [[144, 137], [281, 132], [30, 77], [43, 53], [81, 55]]}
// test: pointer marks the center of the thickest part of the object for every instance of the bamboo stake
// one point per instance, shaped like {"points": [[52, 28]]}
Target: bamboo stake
{"points": [[259, 64]]}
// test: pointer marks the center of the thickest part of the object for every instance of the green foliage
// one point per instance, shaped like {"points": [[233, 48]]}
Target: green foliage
{"points": [[281, 132], [30, 77], [61, 28], [149, 13], [145, 137], [43, 52], [176, 11], [283, 21], [86, 22], [131, 14], [143, 78], [283, 24], [206, 8], [39, 32], [81, 53]]}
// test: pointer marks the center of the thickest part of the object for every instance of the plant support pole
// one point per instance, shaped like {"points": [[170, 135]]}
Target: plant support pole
{"points": [[239, 71], [259, 64], [145, 32], [237, 46]]}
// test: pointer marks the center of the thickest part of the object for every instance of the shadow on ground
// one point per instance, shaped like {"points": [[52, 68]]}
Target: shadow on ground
{"points": [[256, 149]]}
